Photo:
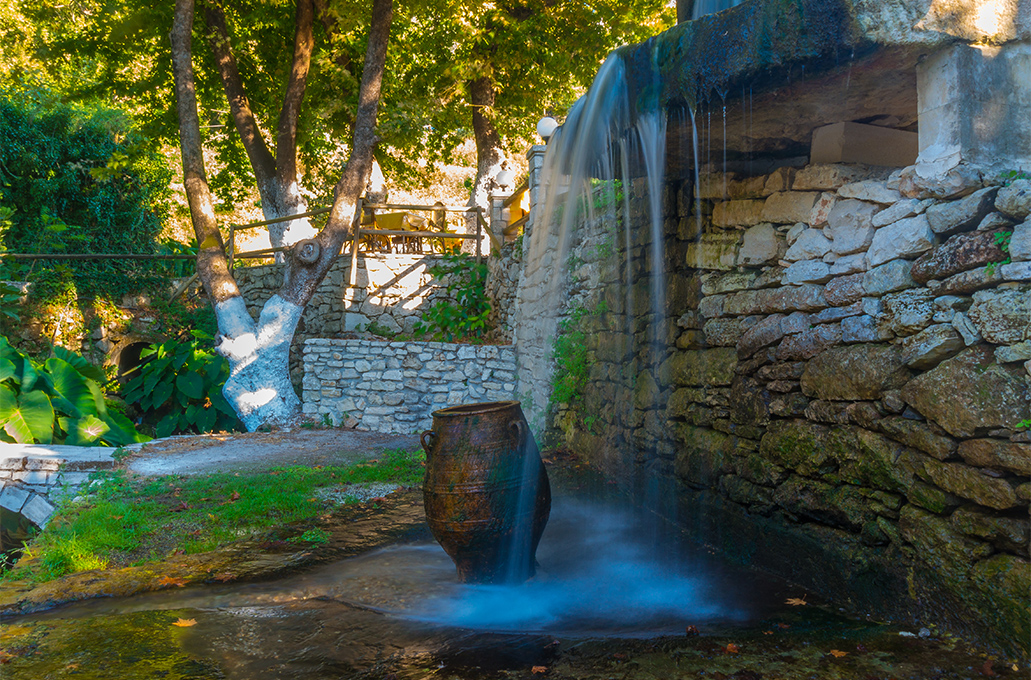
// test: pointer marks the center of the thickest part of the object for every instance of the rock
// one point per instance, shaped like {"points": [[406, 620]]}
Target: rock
{"points": [[997, 454], [789, 207], [1020, 242], [1002, 316], [994, 221], [1005, 532], [761, 245], [963, 215], [1016, 271], [909, 311], [806, 271], [794, 232], [726, 282], [932, 498], [905, 238], [822, 209], [907, 207], [864, 329], [966, 329], [805, 298], [946, 552], [1015, 199], [795, 322], [709, 367], [840, 506], [1018, 353], [958, 181], [918, 435], [959, 253], [809, 343], [889, 277], [967, 482], [703, 455], [763, 334], [811, 244], [931, 346], [856, 373], [875, 191], [849, 226], [780, 179], [844, 290], [836, 313], [969, 393], [713, 251], [827, 177], [849, 264], [747, 187], [723, 332], [737, 213], [967, 282]]}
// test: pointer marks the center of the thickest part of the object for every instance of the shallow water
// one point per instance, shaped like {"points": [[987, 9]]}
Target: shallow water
{"points": [[615, 593]]}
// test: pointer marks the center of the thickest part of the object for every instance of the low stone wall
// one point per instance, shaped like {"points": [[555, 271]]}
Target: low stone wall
{"points": [[390, 294], [847, 373], [395, 386], [34, 478]]}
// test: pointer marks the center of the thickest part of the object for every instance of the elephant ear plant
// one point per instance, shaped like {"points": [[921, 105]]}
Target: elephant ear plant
{"points": [[57, 401], [179, 388]]}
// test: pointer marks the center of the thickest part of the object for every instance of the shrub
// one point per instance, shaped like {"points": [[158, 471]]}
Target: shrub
{"points": [[463, 314]]}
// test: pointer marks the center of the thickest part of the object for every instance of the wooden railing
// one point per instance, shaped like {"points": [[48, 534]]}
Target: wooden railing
{"points": [[518, 205]]}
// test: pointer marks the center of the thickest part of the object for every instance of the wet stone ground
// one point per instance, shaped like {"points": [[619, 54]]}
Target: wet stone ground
{"points": [[618, 596]]}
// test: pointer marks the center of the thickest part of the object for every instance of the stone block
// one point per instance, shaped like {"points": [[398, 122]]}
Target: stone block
{"points": [[1012, 354], [811, 244], [832, 314], [1015, 200], [969, 483], [960, 253], [909, 311], [1002, 316], [849, 142], [855, 373], [723, 332], [1016, 271], [761, 245], [931, 346], [907, 207], [711, 367], [13, 498], [38, 510], [871, 190], [809, 343], [969, 393], [844, 290], [780, 179], [998, 454], [850, 226], [713, 251], [849, 264], [863, 329], [967, 282], [745, 213], [905, 238], [889, 277], [806, 271], [962, 215], [919, 435], [932, 180], [726, 282], [821, 211], [789, 207]]}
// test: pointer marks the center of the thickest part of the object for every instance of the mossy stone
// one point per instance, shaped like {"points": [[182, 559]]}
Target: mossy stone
{"points": [[704, 367], [969, 483]]}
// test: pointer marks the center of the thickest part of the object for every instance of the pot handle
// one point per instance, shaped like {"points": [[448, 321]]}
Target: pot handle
{"points": [[519, 429], [431, 436]]}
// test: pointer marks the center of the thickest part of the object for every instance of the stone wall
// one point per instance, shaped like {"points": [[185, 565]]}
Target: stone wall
{"points": [[390, 294], [502, 280], [396, 386], [842, 368]]}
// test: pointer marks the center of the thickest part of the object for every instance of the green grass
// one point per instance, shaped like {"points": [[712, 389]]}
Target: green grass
{"points": [[128, 520]]}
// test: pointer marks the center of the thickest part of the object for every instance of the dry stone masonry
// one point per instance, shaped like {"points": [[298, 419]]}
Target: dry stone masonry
{"points": [[396, 386]]}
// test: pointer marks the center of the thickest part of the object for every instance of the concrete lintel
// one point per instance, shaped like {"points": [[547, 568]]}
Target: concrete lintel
{"points": [[974, 106]]}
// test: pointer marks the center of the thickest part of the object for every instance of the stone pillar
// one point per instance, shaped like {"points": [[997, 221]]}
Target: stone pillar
{"points": [[499, 214], [535, 156], [974, 105]]}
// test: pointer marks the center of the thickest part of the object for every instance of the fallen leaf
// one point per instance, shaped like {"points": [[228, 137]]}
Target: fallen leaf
{"points": [[986, 669], [235, 497], [117, 517], [179, 508], [731, 648], [691, 631], [539, 669], [796, 601], [837, 653], [224, 577], [169, 581], [184, 623], [71, 667], [784, 626], [620, 655], [767, 632]]}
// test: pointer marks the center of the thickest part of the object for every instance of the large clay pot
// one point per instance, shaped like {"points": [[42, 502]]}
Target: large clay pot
{"points": [[486, 491]]}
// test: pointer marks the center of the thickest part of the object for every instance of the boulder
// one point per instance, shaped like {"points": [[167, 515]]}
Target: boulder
{"points": [[968, 393], [854, 373], [909, 311], [811, 244], [889, 277], [1007, 533], [708, 367], [789, 207], [967, 482], [1001, 315], [850, 226], [959, 253], [931, 346], [1015, 199], [998, 454]]}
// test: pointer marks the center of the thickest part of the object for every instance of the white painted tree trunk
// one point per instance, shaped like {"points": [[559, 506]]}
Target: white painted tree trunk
{"points": [[259, 386]]}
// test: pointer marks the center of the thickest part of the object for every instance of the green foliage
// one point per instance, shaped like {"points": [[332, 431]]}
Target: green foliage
{"points": [[1011, 176], [127, 518], [10, 299], [78, 179], [1002, 239], [179, 388], [57, 401], [463, 314], [572, 359]]}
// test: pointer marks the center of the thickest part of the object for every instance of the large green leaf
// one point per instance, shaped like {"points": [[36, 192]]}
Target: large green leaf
{"points": [[122, 432], [206, 419], [190, 384], [161, 393], [71, 389], [167, 425], [85, 431], [85, 368], [7, 369], [28, 417]]}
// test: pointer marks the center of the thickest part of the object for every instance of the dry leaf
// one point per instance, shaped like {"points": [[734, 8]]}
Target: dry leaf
{"points": [[837, 653], [224, 576], [767, 632], [71, 667], [986, 669], [184, 623], [691, 631], [179, 508], [731, 648], [169, 581], [796, 602], [117, 517], [539, 669], [784, 626], [235, 497]]}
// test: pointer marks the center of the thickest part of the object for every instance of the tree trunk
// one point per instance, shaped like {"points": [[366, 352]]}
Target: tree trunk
{"points": [[259, 385], [488, 143], [276, 175]]}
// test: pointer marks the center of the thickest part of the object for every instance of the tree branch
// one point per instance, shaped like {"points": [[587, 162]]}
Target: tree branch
{"points": [[301, 279], [261, 158], [286, 130], [211, 259]]}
